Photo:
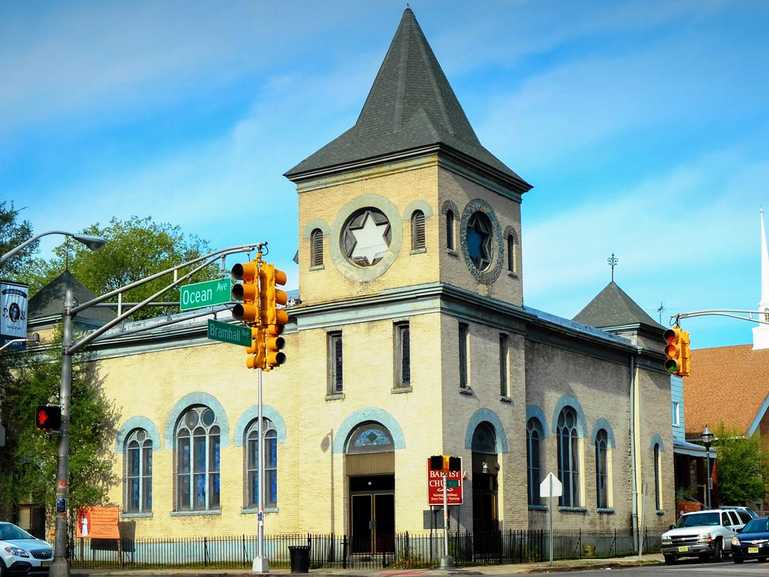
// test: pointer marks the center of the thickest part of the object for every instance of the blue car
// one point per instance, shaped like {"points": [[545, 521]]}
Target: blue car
{"points": [[752, 541]]}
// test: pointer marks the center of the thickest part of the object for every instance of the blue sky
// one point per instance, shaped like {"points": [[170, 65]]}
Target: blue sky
{"points": [[643, 126]]}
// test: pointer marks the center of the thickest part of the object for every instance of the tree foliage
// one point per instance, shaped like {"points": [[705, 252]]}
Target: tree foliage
{"points": [[13, 232], [28, 462], [135, 248], [741, 468]]}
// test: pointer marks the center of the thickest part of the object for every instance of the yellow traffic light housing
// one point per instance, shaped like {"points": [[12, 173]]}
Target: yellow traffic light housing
{"points": [[247, 291], [677, 352], [256, 353], [272, 317]]}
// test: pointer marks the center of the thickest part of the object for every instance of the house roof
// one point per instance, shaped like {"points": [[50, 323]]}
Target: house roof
{"points": [[729, 386], [410, 106], [49, 300], [613, 307]]}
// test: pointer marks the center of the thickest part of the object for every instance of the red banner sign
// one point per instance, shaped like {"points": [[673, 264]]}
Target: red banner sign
{"points": [[435, 481], [98, 523]]}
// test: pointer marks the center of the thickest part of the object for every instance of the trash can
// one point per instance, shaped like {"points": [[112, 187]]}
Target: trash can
{"points": [[300, 558]]}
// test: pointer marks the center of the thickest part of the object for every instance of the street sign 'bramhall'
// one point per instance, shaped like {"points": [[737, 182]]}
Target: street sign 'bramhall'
{"points": [[233, 334], [205, 294]]}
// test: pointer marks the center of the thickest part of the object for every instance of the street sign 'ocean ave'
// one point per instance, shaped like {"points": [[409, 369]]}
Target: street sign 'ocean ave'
{"points": [[226, 333], [205, 294]]}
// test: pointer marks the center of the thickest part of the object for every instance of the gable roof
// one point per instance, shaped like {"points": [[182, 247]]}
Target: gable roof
{"points": [[729, 386], [49, 301], [612, 307], [410, 106]]}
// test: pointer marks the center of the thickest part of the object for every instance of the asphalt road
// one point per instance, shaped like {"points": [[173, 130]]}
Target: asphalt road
{"points": [[683, 569]]}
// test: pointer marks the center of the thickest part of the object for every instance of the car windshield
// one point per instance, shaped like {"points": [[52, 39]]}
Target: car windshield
{"points": [[757, 526], [10, 532], [700, 520]]}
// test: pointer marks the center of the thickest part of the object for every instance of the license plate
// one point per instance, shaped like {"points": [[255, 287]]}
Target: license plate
{"points": [[683, 549], [752, 549], [45, 563]]}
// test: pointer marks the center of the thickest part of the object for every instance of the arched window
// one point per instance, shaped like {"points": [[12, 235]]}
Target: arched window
{"points": [[270, 446], [657, 478], [568, 457], [138, 472], [450, 230], [418, 230], [197, 460], [484, 439], [602, 469], [533, 459], [512, 253], [370, 437], [316, 248]]}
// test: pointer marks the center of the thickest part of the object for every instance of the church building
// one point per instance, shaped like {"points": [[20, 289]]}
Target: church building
{"points": [[408, 338]]}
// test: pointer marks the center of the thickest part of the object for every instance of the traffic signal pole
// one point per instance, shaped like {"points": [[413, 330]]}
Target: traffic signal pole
{"points": [[260, 565], [60, 566]]}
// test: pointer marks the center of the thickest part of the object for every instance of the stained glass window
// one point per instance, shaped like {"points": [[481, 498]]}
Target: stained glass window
{"points": [[370, 438]]}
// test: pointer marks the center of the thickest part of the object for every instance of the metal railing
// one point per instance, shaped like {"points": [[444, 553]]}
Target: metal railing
{"points": [[404, 550]]}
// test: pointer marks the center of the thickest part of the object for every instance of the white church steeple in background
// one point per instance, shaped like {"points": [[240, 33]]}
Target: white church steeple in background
{"points": [[761, 332]]}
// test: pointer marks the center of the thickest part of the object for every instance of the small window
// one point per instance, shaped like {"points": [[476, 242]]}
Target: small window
{"points": [[450, 230], [676, 413], [270, 445], [335, 365], [463, 344], [533, 459], [138, 472], [316, 248], [744, 517], [734, 518], [503, 353], [402, 355], [418, 230], [198, 450], [657, 479], [512, 254], [602, 469], [568, 457]]}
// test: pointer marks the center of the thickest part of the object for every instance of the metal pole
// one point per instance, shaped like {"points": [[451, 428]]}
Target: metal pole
{"points": [[60, 566], [446, 561], [707, 477], [550, 519], [261, 566]]}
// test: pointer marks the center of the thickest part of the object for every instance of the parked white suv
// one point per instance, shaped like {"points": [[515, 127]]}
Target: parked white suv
{"points": [[20, 552], [704, 534]]}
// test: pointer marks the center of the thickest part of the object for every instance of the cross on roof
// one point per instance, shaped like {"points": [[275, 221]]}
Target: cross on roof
{"points": [[613, 262]]}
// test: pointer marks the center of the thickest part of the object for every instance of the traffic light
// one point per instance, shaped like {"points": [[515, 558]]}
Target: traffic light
{"points": [[272, 317], [455, 463], [255, 358], [48, 417], [247, 291], [436, 463], [677, 352], [445, 463]]}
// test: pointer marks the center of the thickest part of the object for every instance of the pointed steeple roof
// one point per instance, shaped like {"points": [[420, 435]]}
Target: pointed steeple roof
{"points": [[49, 301], [612, 307], [411, 107]]}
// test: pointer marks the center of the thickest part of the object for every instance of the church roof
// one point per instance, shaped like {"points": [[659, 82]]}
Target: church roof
{"points": [[612, 307], [727, 386], [410, 106], [49, 300]]}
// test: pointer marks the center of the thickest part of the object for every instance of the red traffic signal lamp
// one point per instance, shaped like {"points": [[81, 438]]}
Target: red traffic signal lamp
{"points": [[48, 417], [247, 291], [677, 352]]}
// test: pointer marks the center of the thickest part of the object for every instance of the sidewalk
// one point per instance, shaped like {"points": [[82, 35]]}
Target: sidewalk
{"points": [[517, 568]]}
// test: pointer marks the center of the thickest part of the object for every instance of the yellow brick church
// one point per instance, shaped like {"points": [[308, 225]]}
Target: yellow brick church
{"points": [[408, 338]]}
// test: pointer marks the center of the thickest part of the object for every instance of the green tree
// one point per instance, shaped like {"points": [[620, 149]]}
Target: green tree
{"points": [[28, 462], [742, 468], [13, 232], [135, 248]]}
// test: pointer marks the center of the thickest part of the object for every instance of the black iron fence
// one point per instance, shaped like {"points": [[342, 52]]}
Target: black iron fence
{"points": [[334, 551]]}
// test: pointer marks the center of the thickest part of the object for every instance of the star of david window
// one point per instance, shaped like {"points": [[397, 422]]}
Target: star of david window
{"points": [[370, 438], [479, 229], [366, 237]]}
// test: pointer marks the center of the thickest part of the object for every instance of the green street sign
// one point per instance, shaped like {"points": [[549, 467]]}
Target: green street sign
{"points": [[226, 333], [205, 294]]}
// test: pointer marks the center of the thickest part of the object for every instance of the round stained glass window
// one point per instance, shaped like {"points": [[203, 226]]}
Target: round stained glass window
{"points": [[366, 237], [479, 240], [207, 417]]}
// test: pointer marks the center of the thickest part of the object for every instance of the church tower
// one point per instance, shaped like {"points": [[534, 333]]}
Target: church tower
{"points": [[761, 332], [408, 196]]}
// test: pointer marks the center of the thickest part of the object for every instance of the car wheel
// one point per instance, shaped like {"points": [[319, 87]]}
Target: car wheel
{"points": [[3, 570], [718, 552], [670, 560]]}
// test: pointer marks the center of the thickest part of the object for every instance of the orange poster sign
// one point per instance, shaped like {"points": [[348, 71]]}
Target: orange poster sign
{"points": [[98, 523]]}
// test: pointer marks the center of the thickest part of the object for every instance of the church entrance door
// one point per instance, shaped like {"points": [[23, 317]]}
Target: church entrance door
{"points": [[485, 470], [372, 514]]}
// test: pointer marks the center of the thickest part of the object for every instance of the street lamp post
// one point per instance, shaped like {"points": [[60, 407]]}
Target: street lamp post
{"points": [[92, 242], [707, 440]]}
